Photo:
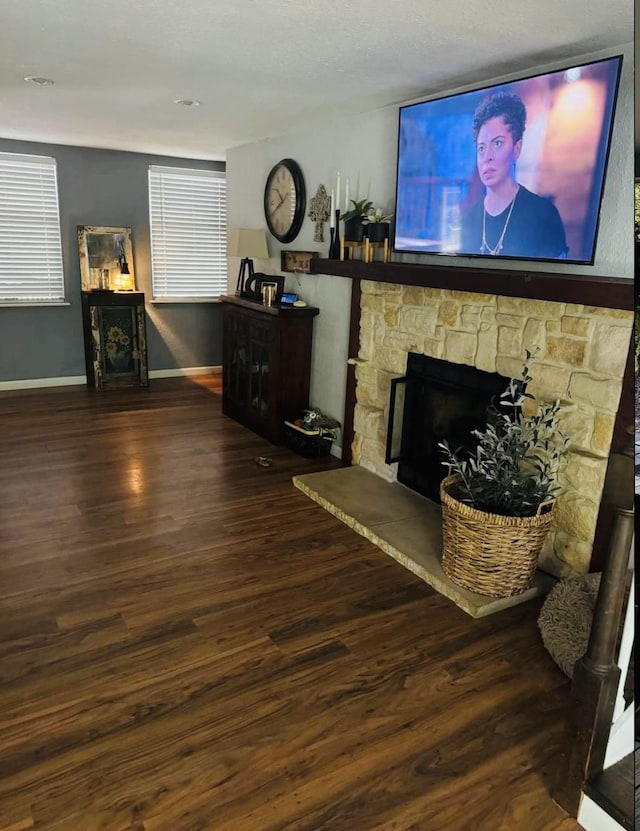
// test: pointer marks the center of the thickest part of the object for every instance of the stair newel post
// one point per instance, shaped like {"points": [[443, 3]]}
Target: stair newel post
{"points": [[596, 676], [608, 610]]}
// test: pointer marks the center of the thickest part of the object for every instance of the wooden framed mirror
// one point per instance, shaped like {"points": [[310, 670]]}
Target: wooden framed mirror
{"points": [[106, 258]]}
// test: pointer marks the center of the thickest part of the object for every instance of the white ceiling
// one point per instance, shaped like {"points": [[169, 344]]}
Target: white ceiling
{"points": [[263, 67]]}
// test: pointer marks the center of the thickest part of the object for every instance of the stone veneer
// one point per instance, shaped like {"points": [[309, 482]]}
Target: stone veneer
{"points": [[581, 360]]}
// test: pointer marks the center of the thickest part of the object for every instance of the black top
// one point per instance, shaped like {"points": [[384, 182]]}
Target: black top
{"points": [[535, 229], [279, 309]]}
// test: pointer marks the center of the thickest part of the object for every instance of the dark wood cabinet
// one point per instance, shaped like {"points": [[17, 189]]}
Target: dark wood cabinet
{"points": [[115, 338], [266, 364]]}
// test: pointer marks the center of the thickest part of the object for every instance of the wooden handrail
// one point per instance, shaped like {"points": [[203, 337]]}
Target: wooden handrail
{"points": [[596, 676]]}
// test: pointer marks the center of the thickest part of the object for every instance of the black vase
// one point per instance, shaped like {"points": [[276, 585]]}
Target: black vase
{"points": [[353, 230], [378, 231], [334, 246]]}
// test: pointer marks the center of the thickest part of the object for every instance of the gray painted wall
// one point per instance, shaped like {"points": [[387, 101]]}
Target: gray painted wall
{"points": [[104, 187]]}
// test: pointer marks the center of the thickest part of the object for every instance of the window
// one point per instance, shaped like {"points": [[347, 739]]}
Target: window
{"points": [[30, 247], [188, 217]]}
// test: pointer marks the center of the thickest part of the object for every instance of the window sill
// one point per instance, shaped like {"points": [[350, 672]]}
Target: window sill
{"points": [[28, 304], [164, 300]]}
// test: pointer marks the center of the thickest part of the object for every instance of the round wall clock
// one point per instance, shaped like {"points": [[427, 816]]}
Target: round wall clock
{"points": [[285, 200]]}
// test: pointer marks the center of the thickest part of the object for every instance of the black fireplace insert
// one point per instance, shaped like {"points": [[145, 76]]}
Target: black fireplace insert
{"points": [[436, 400]]}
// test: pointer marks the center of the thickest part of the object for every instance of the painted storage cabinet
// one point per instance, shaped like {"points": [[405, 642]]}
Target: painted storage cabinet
{"points": [[115, 339], [266, 364]]}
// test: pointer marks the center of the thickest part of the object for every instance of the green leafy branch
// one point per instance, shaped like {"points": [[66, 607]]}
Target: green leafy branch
{"points": [[514, 468]]}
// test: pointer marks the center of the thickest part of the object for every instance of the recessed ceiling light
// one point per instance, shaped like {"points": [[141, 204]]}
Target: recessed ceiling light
{"points": [[187, 102], [41, 82]]}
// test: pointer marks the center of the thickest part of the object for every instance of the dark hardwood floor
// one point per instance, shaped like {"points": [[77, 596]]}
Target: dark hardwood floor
{"points": [[188, 643]]}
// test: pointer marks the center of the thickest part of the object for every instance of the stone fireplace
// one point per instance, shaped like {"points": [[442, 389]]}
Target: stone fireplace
{"points": [[581, 356]]}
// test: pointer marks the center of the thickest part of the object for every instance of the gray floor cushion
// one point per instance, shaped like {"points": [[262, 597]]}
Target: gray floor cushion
{"points": [[565, 619]]}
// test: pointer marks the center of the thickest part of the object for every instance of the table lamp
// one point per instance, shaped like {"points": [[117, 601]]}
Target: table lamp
{"points": [[247, 243], [124, 280]]}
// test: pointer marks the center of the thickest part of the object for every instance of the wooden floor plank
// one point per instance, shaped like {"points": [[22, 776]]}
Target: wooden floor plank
{"points": [[188, 643]]}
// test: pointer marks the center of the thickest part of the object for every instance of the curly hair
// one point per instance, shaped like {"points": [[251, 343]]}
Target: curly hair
{"points": [[504, 105]]}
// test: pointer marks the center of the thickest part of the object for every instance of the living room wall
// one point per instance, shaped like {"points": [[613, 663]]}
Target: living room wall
{"points": [[103, 187], [363, 148]]}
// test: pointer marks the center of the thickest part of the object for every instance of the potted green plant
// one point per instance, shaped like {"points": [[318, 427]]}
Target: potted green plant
{"points": [[377, 225], [498, 500], [353, 219]]}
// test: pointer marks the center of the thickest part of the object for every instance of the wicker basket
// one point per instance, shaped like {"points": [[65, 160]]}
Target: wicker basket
{"points": [[487, 553]]}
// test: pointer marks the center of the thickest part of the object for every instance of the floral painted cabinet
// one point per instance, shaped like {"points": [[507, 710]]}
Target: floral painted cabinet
{"points": [[115, 340]]}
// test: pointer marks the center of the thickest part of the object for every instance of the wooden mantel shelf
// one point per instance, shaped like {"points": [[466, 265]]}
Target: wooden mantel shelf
{"points": [[607, 292]]}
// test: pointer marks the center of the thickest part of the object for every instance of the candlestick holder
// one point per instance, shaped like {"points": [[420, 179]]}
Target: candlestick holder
{"points": [[334, 247]]}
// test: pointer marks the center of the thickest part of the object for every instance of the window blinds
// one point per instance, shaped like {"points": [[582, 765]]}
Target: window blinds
{"points": [[30, 248], [188, 218]]}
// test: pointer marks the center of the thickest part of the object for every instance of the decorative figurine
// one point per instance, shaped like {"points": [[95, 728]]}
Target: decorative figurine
{"points": [[319, 212]]}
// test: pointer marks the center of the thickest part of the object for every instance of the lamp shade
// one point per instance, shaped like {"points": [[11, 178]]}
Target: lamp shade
{"points": [[248, 242]]}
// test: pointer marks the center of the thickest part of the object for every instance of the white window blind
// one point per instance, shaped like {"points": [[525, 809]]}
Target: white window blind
{"points": [[30, 248], [188, 217]]}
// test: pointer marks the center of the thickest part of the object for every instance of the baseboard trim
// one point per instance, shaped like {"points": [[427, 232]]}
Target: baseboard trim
{"points": [[74, 380], [38, 383], [187, 370]]}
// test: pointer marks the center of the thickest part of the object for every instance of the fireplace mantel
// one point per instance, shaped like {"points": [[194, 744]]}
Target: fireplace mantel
{"points": [[590, 290]]}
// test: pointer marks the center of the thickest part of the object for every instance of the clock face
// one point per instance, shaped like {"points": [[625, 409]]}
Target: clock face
{"points": [[284, 200]]}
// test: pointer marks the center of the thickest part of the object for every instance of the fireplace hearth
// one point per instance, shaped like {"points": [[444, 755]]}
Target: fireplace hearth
{"points": [[407, 527]]}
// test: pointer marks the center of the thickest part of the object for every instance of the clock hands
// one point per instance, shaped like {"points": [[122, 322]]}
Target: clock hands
{"points": [[281, 202]]}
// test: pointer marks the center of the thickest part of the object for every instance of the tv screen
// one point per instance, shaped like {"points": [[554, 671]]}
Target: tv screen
{"points": [[512, 170]]}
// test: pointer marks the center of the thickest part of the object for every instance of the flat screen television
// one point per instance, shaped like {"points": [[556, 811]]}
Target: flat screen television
{"points": [[513, 170]]}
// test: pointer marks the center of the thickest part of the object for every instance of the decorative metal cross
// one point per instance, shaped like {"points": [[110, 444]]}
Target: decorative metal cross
{"points": [[320, 206]]}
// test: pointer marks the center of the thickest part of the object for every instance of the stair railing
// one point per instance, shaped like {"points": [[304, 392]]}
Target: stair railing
{"points": [[596, 676], [621, 737]]}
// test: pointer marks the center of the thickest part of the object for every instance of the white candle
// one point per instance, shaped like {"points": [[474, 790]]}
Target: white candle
{"points": [[332, 215], [346, 196], [338, 193]]}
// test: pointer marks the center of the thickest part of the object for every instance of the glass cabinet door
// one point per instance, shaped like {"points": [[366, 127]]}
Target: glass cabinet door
{"points": [[259, 358], [237, 361], [247, 364]]}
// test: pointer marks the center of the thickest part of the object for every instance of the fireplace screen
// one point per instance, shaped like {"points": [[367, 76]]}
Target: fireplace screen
{"points": [[435, 400]]}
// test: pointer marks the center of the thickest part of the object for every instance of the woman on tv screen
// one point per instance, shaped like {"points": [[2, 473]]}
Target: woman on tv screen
{"points": [[509, 220]]}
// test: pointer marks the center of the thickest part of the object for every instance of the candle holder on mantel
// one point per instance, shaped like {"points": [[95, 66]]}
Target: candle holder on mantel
{"points": [[334, 233]]}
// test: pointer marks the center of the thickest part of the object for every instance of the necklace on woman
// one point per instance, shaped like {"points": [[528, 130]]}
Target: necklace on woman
{"points": [[485, 247]]}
